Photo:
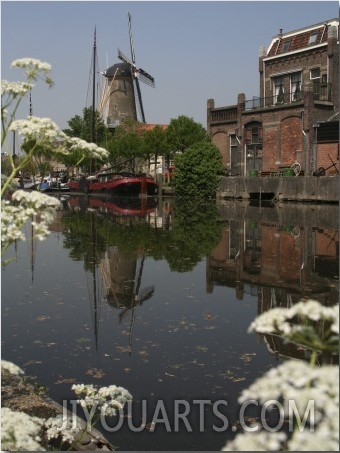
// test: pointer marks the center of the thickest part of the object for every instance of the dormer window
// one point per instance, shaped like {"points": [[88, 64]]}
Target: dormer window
{"points": [[286, 46], [312, 38]]}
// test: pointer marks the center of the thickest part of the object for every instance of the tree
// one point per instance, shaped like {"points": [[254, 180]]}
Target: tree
{"points": [[198, 171], [126, 145], [184, 132], [154, 144], [83, 127]]}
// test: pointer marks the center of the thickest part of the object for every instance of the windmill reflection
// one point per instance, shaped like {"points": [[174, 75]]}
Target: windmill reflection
{"points": [[122, 275], [116, 270]]}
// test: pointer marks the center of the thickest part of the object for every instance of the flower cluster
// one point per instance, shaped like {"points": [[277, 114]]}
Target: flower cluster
{"points": [[62, 427], [278, 320], [298, 323], [39, 129], [11, 367], [34, 206], [90, 149], [20, 431], [107, 399], [298, 382], [34, 68], [15, 88]]}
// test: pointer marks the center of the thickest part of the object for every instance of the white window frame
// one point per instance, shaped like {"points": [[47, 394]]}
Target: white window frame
{"points": [[295, 85], [279, 89], [311, 76], [313, 38]]}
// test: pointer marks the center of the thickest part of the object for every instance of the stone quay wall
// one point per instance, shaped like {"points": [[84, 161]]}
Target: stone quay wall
{"points": [[285, 188]]}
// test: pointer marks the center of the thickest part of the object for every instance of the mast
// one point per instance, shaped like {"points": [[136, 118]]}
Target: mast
{"points": [[94, 88]]}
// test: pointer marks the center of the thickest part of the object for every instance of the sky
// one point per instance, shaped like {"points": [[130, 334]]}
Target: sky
{"points": [[195, 50]]}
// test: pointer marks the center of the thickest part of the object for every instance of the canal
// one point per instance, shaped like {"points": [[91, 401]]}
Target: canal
{"points": [[157, 298]]}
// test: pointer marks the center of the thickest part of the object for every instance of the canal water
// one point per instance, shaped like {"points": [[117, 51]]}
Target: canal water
{"points": [[157, 298]]}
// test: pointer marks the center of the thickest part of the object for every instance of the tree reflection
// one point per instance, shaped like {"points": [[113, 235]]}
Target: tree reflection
{"points": [[193, 232]]}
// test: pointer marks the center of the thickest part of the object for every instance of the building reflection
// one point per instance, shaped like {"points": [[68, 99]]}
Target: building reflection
{"points": [[280, 263]]}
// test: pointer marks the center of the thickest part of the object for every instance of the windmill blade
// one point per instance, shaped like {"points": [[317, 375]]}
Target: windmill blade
{"points": [[140, 100], [145, 294], [124, 58], [131, 40], [146, 78]]}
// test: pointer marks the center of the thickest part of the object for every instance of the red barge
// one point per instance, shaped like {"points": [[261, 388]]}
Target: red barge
{"points": [[122, 183]]}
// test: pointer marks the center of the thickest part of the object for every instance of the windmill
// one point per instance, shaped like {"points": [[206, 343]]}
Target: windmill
{"points": [[136, 73]]}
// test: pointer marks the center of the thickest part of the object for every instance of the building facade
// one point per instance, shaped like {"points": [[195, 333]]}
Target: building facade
{"points": [[298, 104]]}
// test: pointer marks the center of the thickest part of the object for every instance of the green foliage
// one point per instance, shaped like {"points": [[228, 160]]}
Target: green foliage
{"points": [[82, 127], [198, 171], [154, 143], [184, 132], [196, 230]]}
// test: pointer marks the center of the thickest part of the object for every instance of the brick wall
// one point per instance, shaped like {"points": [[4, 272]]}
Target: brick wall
{"points": [[290, 139], [324, 150]]}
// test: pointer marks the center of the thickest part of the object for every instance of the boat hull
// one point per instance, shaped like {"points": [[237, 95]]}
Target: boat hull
{"points": [[132, 185]]}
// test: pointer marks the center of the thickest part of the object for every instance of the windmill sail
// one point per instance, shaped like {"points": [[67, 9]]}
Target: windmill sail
{"points": [[137, 74]]}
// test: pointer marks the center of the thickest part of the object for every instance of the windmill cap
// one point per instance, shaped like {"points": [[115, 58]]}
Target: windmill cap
{"points": [[124, 70]]}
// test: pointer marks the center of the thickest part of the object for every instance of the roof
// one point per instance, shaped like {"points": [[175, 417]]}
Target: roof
{"points": [[302, 39], [118, 69], [150, 127]]}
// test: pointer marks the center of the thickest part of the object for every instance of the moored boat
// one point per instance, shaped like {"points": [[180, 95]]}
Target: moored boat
{"points": [[119, 183]]}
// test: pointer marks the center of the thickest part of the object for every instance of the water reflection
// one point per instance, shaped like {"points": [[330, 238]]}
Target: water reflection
{"points": [[158, 298], [266, 253]]}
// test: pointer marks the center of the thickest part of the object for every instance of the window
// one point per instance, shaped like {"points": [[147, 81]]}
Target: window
{"points": [[286, 46], [324, 80], [315, 73], [312, 38], [278, 90], [295, 82], [253, 134], [233, 140]]}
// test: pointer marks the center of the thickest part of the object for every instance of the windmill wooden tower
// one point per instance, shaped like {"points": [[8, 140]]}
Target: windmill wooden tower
{"points": [[124, 93]]}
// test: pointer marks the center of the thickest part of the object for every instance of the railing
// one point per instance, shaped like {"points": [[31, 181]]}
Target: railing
{"points": [[272, 101], [223, 115], [321, 92]]}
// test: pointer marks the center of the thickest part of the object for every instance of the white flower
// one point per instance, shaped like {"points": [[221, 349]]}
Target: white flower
{"points": [[43, 130], [90, 149], [279, 320], [288, 379], [34, 68], [35, 199], [29, 205], [271, 321], [11, 367], [60, 426], [105, 399], [19, 431], [31, 62], [15, 88]]}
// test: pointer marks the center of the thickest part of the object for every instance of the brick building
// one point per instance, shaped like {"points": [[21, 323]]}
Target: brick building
{"points": [[295, 117]]}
